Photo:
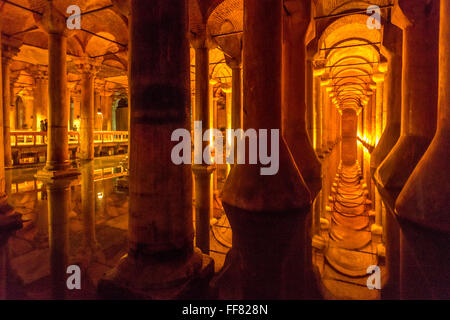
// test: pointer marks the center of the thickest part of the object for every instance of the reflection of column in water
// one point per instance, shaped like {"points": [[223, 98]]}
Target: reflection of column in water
{"points": [[58, 209], [41, 210], [391, 290], [88, 206]]}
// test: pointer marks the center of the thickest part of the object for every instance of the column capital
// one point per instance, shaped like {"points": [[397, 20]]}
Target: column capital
{"points": [[378, 77], [298, 15], [233, 62], [38, 72], [87, 65], [52, 20], [99, 85], [9, 50], [201, 39]]}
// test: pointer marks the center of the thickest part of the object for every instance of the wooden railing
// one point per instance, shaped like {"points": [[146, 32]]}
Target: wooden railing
{"points": [[39, 138]]}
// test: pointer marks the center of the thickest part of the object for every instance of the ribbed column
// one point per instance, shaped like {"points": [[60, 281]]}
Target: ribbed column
{"points": [[420, 22], [161, 262], [424, 199], [392, 48]]}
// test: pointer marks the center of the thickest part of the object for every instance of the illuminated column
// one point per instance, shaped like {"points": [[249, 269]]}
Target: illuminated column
{"points": [[368, 118], [379, 80], [202, 171], [265, 211], [373, 120], [57, 175], [318, 108], [88, 70], [236, 97], [424, 199], [420, 22], [310, 112], [28, 101], [7, 54], [162, 262], [9, 221], [294, 96], [392, 48], [58, 113], [324, 116]]}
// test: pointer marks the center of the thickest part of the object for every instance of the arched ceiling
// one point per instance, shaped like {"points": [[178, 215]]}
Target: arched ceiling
{"points": [[350, 54], [106, 37]]}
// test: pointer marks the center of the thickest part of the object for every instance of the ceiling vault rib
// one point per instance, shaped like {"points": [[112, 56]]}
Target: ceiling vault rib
{"points": [[351, 45], [97, 10], [22, 7], [343, 14], [102, 37]]}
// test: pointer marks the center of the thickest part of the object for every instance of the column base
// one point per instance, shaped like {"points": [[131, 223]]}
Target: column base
{"points": [[47, 175], [395, 170], [157, 279]]}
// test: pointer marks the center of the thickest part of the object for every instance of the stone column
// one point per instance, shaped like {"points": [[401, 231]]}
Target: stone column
{"points": [[325, 107], [424, 199], [236, 97], [294, 94], [9, 221], [7, 53], [310, 112], [41, 95], [318, 107], [162, 262], [87, 69], [392, 48], [265, 211], [379, 80], [420, 22], [57, 175], [203, 114]]}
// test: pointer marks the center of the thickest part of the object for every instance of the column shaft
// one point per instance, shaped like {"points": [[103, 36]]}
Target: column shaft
{"points": [[161, 259], [87, 116], [419, 93], [6, 63], [202, 172], [294, 99], [58, 115], [318, 115], [256, 204], [392, 48], [424, 199]]}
